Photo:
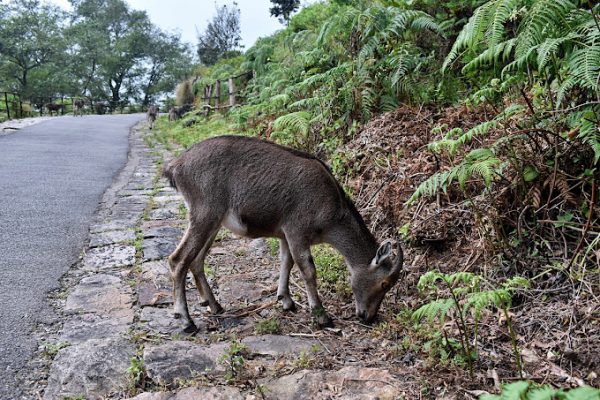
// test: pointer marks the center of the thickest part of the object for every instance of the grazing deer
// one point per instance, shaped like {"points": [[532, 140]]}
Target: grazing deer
{"points": [[257, 188], [151, 116], [78, 107], [52, 107], [100, 108], [176, 113]]}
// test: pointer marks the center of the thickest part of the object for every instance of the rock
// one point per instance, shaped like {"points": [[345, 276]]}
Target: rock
{"points": [[181, 360], [160, 320], [111, 237], [210, 393], [109, 257], [236, 289], [112, 225], [92, 369], [159, 248], [164, 231], [348, 383], [156, 271], [101, 294], [259, 247], [80, 328], [165, 213], [152, 294], [166, 199], [136, 198], [277, 345]]}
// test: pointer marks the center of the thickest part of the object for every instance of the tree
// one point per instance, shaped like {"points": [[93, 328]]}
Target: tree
{"points": [[283, 9], [167, 62], [117, 37], [221, 39], [32, 40]]}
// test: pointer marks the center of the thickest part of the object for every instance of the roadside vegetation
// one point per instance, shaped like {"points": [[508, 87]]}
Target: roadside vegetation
{"points": [[470, 130]]}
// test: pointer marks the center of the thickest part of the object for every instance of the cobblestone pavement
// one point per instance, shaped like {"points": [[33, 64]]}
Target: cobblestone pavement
{"points": [[117, 337]]}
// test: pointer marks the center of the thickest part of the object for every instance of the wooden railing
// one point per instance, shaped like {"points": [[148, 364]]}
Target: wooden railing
{"points": [[14, 106], [213, 98]]}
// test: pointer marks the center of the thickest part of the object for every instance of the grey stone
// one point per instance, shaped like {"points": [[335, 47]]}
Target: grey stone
{"points": [[182, 359], [92, 369], [136, 198], [83, 327], [166, 213], [277, 345], [169, 198], [160, 320], [100, 294], [152, 294], [158, 248], [207, 393], [112, 225], [111, 237], [163, 231], [108, 257], [236, 289], [259, 247], [347, 383], [134, 192], [156, 271]]}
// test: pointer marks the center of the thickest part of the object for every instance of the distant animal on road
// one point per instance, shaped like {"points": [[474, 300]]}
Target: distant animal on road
{"points": [[52, 107], [100, 108], [78, 107], [151, 115], [257, 188]]}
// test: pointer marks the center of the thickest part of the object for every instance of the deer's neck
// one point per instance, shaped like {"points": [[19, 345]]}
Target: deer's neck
{"points": [[354, 241]]}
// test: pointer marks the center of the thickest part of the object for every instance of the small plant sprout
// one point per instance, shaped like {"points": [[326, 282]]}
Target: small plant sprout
{"points": [[267, 326], [233, 360]]}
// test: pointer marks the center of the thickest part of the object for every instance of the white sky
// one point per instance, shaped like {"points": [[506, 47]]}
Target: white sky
{"points": [[187, 16]]}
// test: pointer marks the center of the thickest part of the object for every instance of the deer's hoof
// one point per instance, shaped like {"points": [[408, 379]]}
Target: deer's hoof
{"points": [[287, 303], [217, 309], [190, 328]]}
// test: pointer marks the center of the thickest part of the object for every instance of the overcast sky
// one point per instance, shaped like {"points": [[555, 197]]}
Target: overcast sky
{"points": [[187, 16]]}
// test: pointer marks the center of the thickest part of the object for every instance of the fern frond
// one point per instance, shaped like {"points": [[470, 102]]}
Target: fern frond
{"points": [[436, 308], [298, 122], [429, 187]]}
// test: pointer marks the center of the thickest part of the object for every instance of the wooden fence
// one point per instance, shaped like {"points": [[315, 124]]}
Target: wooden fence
{"points": [[14, 106], [215, 100]]}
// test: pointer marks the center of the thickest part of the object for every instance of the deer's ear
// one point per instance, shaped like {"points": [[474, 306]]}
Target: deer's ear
{"points": [[383, 252]]}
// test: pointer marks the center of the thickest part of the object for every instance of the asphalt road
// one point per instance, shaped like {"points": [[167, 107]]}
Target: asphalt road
{"points": [[52, 176]]}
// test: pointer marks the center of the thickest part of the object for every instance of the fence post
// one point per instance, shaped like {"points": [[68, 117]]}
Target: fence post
{"points": [[217, 94], [231, 92], [210, 91], [6, 103]]}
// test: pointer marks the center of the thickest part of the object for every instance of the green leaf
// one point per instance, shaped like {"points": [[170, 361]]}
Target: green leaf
{"points": [[530, 173]]}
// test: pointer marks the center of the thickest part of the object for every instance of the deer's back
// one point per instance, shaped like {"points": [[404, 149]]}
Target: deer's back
{"points": [[258, 184]]}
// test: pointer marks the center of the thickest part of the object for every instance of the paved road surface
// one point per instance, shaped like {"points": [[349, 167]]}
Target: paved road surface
{"points": [[52, 176]]}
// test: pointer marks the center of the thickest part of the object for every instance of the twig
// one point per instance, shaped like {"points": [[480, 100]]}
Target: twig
{"points": [[566, 110], [587, 224], [246, 312]]}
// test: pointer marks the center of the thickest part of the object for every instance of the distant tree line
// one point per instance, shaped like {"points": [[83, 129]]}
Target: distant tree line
{"points": [[102, 49]]}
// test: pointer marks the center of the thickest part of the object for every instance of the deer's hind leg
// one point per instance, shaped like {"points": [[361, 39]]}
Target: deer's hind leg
{"points": [[283, 287], [206, 295], [195, 239]]}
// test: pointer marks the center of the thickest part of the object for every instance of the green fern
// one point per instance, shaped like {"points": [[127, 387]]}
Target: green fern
{"points": [[524, 390]]}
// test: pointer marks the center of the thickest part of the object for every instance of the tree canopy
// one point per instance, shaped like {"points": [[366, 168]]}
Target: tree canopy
{"points": [[103, 49]]}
